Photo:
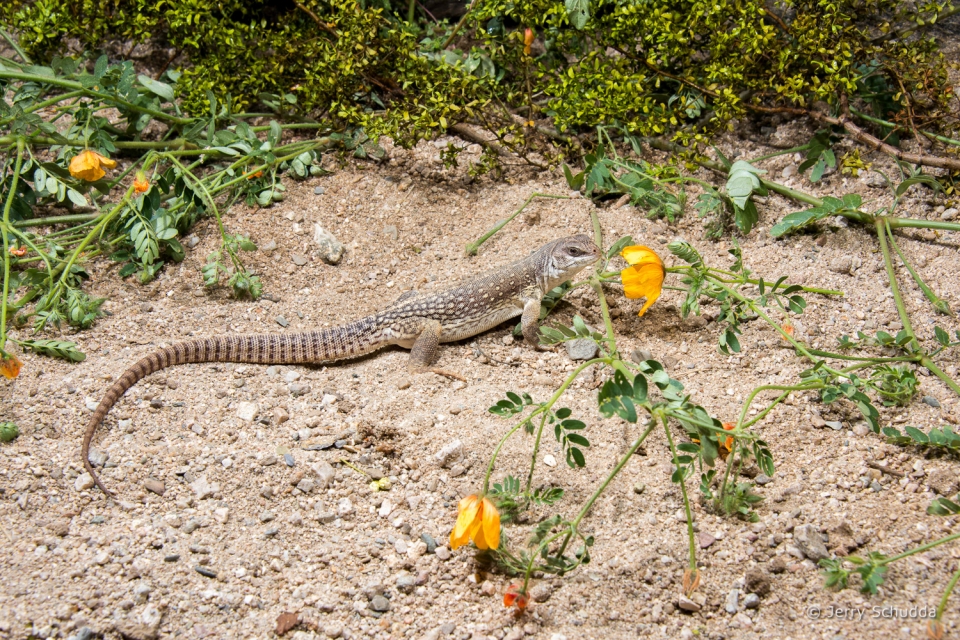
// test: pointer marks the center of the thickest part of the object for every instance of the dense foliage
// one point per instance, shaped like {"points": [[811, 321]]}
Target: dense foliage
{"points": [[679, 67]]}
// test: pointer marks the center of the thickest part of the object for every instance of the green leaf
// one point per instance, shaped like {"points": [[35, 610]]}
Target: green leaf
{"points": [[57, 348], [575, 182], [797, 219], [746, 217], [917, 435], [161, 89], [578, 11]]}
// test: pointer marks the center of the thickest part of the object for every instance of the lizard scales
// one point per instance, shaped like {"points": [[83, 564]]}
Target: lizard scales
{"points": [[415, 321]]}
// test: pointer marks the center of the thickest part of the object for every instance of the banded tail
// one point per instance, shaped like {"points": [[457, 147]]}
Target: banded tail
{"points": [[346, 341]]}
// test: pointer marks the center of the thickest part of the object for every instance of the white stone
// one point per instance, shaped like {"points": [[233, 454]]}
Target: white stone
{"points": [[203, 488], [247, 411], [344, 507], [549, 460], [83, 482], [386, 508]]}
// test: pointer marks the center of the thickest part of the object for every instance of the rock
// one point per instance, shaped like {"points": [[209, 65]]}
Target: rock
{"points": [[344, 507], [742, 621], [379, 603], [98, 458], [836, 425], [298, 259], [329, 248], [931, 401], [283, 322], [191, 525], [487, 588], [450, 453], [541, 591], [401, 546], [942, 481], [640, 355], [267, 516], [137, 630], [949, 214], [762, 479], [778, 565], [756, 581], [406, 583], [247, 411], [155, 486], [705, 539], [686, 604], [319, 191], [732, 601], [639, 488], [333, 630], [443, 553], [843, 264], [808, 539], [549, 460], [268, 460], [391, 232], [429, 541], [306, 485], [581, 349], [752, 601], [325, 474], [83, 482], [788, 171], [204, 489]]}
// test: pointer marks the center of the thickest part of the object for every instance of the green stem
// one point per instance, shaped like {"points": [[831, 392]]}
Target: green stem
{"points": [[946, 594], [472, 248], [882, 230], [46, 103], [68, 219], [871, 359], [920, 549], [76, 86], [938, 304], [536, 449], [16, 47], [768, 387], [756, 281], [927, 362], [7, 206], [542, 409], [458, 26], [692, 560], [894, 125], [782, 152]]}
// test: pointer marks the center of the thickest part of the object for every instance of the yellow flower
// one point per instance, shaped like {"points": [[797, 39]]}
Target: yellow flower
{"points": [[10, 368], [477, 520], [644, 276], [88, 165], [140, 183]]}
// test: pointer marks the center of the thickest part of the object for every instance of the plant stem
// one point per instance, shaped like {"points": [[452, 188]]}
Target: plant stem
{"points": [[536, 449], [15, 46], [68, 219], [882, 230], [920, 549], [458, 26], [946, 594], [782, 152], [692, 559], [938, 303], [927, 362], [539, 410], [894, 125], [472, 247], [7, 206]]}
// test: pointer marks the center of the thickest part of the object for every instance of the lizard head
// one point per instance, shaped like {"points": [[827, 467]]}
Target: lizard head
{"points": [[566, 257]]}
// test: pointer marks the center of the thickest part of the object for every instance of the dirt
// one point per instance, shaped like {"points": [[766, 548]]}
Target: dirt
{"points": [[72, 559]]}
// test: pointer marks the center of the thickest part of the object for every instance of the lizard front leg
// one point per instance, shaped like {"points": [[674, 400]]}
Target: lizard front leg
{"points": [[530, 322], [424, 351]]}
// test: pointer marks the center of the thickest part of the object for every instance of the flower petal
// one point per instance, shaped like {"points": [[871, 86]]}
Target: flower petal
{"points": [[491, 524], [639, 254], [10, 366], [467, 521], [86, 166]]}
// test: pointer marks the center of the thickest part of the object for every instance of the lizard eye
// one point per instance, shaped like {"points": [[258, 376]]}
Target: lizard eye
{"points": [[575, 252]]}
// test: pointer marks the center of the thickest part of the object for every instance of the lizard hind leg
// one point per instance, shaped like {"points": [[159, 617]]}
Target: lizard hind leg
{"points": [[424, 352]]}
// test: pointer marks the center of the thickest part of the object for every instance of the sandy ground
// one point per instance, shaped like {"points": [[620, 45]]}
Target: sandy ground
{"points": [[315, 540]]}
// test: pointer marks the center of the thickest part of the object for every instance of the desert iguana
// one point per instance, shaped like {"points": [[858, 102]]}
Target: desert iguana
{"points": [[415, 321]]}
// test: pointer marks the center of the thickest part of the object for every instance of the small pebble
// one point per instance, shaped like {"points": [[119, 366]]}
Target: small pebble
{"points": [[752, 601], [299, 260], [931, 401], [319, 191], [173, 557], [443, 553], [288, 459], [379, 603], [283, 322], [207, 573], [155, 486]]}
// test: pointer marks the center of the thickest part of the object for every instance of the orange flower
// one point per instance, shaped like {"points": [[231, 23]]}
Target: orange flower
{"points": [[258, 174], [9, 365], [728, 443], [140, 183], [527, 40], [477, 520], [644, 277], [88, 165], [787, 329], [19, 252], [515, 595]]}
